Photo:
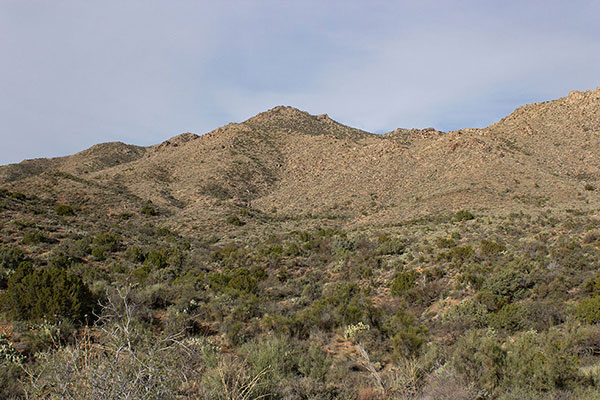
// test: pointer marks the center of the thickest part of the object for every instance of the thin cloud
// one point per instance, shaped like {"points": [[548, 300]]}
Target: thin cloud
{"points": [[74, 73]]}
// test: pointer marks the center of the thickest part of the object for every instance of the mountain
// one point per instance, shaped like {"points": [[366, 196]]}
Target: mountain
{"points": [[292, 257], [287, 163]]}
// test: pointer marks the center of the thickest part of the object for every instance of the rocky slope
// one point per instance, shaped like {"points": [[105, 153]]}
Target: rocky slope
{"points": [[286, 163]]}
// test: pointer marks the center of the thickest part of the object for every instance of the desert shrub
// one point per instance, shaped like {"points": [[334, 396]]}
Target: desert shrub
{"points": [[18, 196], [108, 241], [511, 317], [403, 282], [231, 256], [343, 304], [50, 293], [490, 249], [479, 358], [235, 220], [504, 287], [235, 281], [60, 259], [445, 243], [141, 274], [343, 243], [64, 210], [545, 314], [591, 237], [314, 362], [156, 296], [588, 310], [129, 361], [149, 209], [11, 371], [10, 258], [469, 314], [391, 246], [76, 248], [135, 254], [407, 335], [38, 336], [463, 215], [352, 305], [540, 361], [276, 355], [34, 237], [99, 253], [458, 254], [157, 258]]}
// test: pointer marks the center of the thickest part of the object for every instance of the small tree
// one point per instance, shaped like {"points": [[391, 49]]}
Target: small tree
{"points": [[50, 292]]}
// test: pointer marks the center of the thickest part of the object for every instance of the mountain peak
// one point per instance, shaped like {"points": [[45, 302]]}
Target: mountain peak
{"points": [[290, 119], [178, 140], [576, 96], [280, 113]]}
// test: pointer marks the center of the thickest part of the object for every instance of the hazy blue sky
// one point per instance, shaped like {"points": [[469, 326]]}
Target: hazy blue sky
{"points": [[75, 73]]}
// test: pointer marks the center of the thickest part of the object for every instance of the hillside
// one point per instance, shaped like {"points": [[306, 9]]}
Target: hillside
{"points": [[290, 163], [292, 257]]}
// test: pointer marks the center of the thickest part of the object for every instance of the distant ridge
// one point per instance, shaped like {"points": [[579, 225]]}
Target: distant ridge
{"points": [[289, 163]]}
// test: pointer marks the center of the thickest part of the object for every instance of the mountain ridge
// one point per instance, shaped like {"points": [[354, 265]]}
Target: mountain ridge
{"points": [[286, 162]]}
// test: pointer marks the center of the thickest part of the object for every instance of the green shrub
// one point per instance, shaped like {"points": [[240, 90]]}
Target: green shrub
{"points": [[469, 314], [503, 288], [141, 273], [479, 358], [77, 248], [157, 258], [314, 362], [391, 246], [344, 304], [135, 254], [459, 254], [60, 259], [235, 220], [148, 209], [463, 215], [10, 258], [511, 317], [403, 282], [490, 249], [108, 241], [51, 293], [540, 362], [98, 253], [276, 355], [64, 210], [34, 237], [445, 243], [588, 310], [407, 336], [235, 281], [18, 196]]}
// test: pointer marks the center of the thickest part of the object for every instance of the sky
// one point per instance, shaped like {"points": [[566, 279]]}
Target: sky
{"points": [[75, 73]]}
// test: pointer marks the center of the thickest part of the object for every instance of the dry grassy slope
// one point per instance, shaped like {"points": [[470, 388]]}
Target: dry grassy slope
{"points": [[298, 164], [562, 135], [94, 159]]}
